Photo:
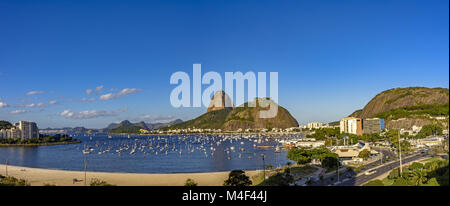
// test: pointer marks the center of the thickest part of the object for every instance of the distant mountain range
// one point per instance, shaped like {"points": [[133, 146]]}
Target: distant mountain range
{"points": [[111, 127]]}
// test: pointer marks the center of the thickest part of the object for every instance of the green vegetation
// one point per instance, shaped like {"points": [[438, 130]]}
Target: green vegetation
{"points": [[279, 179], [330, 160], [12, 181], [406, 93], [429, 130], [433, 173], [242, 114], [190, 182], [99, 182], [324, 133], [302, 170], [257, 179], [209, 120], [418, 110], [42, 140], [128, 129], [365, 154], [374, 183], [299, 155], [5, 124], [237, 178], [305, 155]]}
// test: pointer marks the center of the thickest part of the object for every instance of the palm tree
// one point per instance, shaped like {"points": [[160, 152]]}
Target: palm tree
{"points": [[419, 176]]}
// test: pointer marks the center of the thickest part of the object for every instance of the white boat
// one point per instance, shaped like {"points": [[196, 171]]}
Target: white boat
{"points": [[277, 149]]}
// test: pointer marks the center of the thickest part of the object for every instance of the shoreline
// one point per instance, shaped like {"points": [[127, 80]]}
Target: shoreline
{"points": [[41, 144], [39, 177]]}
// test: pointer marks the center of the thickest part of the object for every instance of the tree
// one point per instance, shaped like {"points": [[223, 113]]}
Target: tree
{"points": [[330, 160], [279, 179], [429, 130], [99, 182], [419, 177], [237, 178], [415, 166], [190, 182], [402, 182], [394, 174], [365, 154], [299, 155]]}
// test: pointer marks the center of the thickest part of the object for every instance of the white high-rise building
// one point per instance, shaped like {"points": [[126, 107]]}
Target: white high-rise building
{"points": [[314, 125], [21, 130]]}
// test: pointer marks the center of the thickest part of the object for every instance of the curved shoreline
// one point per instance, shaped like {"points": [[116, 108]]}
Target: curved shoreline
{"points": [[41, 144], [38, 176]]}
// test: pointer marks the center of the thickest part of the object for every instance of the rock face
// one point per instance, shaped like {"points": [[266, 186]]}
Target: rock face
{"points": [[395, 101], [247, 117], [220, 101], [401, 97], [243, 117]]}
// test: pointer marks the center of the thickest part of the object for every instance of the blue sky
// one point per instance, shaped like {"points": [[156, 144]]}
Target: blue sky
{"points": [[332, 56]]}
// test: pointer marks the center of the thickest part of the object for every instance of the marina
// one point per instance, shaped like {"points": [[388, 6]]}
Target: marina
{"points": [[155, 153]]}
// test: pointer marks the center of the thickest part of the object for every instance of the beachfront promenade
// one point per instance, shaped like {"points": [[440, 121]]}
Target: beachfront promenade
{"points": [[38, 177]]}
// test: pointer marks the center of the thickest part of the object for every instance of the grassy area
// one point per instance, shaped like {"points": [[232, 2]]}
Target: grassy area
{"points": [[12, 181], [431, 159], [302, 170], [386, 181], [431, 109], [257, 179]]}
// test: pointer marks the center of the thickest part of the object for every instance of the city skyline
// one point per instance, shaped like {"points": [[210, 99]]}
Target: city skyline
{"points": [[59, 69]]}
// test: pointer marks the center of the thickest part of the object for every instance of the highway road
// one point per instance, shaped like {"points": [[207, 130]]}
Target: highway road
{"points": [[350, 178], [361, 179]]}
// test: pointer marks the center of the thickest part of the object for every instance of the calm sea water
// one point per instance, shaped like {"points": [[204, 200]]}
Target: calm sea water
{"points": [[152, 154]]}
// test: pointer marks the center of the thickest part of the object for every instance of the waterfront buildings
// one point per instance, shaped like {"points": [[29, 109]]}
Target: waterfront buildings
{"points": [[351, 125], [358, 126], [21, 130], [372, 125], [314, 125]]}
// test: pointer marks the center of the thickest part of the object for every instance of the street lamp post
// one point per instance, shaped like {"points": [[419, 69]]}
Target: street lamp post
{"points": [[338, 170], [400, 153], [264, 167], [85, 167]]}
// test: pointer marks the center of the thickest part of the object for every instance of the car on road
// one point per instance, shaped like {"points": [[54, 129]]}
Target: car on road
{"points": [[370, 172]]}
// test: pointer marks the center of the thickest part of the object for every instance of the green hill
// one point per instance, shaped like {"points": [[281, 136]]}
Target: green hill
{"points": [[405, 107], [5, 124], [210, 120], [243, 117], [131, 129]]}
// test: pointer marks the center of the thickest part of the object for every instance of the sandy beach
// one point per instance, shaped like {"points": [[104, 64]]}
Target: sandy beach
{"points": [[39, 177]]}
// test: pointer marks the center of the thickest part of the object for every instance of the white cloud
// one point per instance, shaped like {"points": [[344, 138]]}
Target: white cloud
{"points": [[108, 96], [89, 114], [88, 100], [123, 92], [35, 105], [53, 102], [3, 104], [35, 92], [99, 89], [88, 91], [18, 111]]}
